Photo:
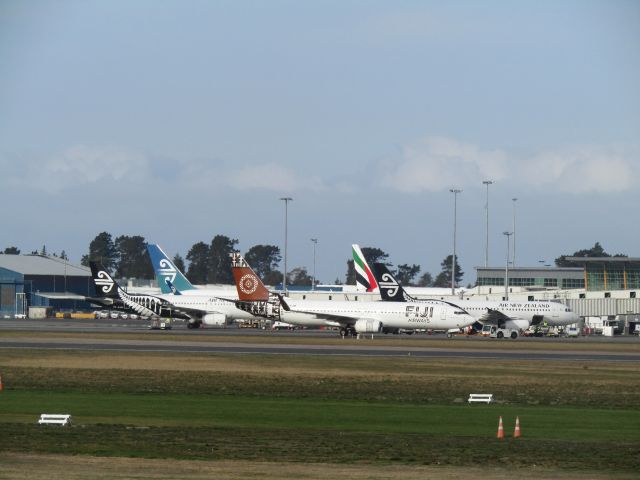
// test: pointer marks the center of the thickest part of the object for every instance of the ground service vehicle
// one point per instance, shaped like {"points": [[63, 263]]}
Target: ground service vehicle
{"points": [[496, 332]]}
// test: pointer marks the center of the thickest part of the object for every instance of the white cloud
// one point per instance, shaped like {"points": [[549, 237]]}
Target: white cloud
{"points": [[436, 164], [271, 176], [584, 169], [80, 165]]}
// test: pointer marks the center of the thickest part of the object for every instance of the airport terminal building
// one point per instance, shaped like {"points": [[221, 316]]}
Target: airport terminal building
{"points": [[590, 273]]}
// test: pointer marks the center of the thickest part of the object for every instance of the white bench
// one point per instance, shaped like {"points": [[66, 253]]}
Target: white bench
{"points": [[54, 419], [480, 397]]}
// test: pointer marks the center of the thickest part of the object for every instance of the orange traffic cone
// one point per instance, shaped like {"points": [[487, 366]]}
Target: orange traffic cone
{"points": [[516, 432], [500, 430]]}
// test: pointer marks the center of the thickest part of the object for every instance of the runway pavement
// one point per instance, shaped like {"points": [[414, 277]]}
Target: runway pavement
{"points": [[25, 336], [290, 349]]}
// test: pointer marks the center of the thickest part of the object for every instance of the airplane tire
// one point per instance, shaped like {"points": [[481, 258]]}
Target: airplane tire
{"points": [[514, 335], [500, 335]]}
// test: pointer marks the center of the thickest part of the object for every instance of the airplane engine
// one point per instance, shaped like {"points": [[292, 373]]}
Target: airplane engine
{"points": [[215, 319], [368, 326]]}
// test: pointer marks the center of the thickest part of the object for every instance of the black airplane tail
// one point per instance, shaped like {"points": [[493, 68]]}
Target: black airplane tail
{"points": [[106, 286], [390, 289]]}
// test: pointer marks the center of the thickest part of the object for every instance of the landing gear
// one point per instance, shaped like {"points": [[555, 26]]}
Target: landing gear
{"points": [[347, 332], [191, 325]]}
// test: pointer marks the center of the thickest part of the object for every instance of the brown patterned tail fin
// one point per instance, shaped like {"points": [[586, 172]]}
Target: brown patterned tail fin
{"points": [[250, 287]]}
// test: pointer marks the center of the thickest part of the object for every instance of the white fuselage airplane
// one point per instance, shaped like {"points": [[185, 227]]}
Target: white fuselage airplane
{"points": [[519, 315], [206, 309], [199, 307], [351, 317], [374, 317], [208, 306], [504, 314]]}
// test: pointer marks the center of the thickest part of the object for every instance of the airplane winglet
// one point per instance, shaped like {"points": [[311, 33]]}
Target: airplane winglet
{"points": [[283, 302]]}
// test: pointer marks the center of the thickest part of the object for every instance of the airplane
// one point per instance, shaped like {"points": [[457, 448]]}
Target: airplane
{"points": [[351, 317], [504, 314], [110, 292], [198, 307], [167, 272]]}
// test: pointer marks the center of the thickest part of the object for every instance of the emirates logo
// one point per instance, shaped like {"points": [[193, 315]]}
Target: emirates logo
{"points": [[248, 283]]}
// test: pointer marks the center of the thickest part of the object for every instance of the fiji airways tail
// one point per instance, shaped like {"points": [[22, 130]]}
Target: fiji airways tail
{"points": [[365, 280], [169, 278], [250, 287], [390, 288]]}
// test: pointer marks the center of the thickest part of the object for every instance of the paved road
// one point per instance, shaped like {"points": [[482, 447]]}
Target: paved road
{"points": [[180, 328], [157, 341], [288, 349]]}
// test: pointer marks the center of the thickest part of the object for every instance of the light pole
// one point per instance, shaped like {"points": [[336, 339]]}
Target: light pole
{"points": [[506, 267], [513, 263], [486, 253], [315, 243], [455, 192], [286, 201]]}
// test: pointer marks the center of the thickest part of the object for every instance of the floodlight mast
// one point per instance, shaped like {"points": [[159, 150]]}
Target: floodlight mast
{"points": [[286, 215]]}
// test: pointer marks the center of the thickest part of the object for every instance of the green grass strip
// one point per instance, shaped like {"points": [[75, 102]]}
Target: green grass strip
{"points": [[263, 413]]}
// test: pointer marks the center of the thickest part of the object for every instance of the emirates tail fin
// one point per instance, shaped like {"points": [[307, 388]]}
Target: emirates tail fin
{"points": [[365, 279]]}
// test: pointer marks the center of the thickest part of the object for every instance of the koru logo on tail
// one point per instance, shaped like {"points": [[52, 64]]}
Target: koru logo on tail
{"points": [[248, 283], [167, 270], [389, 284], [105, 281]]}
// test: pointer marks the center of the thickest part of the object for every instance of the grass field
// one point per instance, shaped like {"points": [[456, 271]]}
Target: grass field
{"points": [[402, 413]]}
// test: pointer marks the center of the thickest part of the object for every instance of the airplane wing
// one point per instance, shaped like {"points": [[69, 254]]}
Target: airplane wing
{"points": [[493, 317], [496, 317], [63, 296], [330, 317]]}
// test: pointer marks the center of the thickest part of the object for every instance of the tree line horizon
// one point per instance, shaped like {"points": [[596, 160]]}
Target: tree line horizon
{"points": [[210, 263]]}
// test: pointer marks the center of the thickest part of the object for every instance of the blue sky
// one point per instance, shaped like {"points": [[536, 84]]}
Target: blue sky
{"points": [[182, 120]]}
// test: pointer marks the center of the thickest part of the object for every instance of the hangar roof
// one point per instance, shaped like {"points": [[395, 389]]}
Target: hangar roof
{"points": [[42, 265]]}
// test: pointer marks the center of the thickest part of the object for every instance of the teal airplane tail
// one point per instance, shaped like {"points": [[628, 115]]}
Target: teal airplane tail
{"points": [[168, 276]]}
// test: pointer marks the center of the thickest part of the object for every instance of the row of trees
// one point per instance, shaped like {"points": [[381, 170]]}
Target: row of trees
{"points": [[406, 274], [211, 262], [43, 251], [596, 251], [127, 257], [207, 262]]}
